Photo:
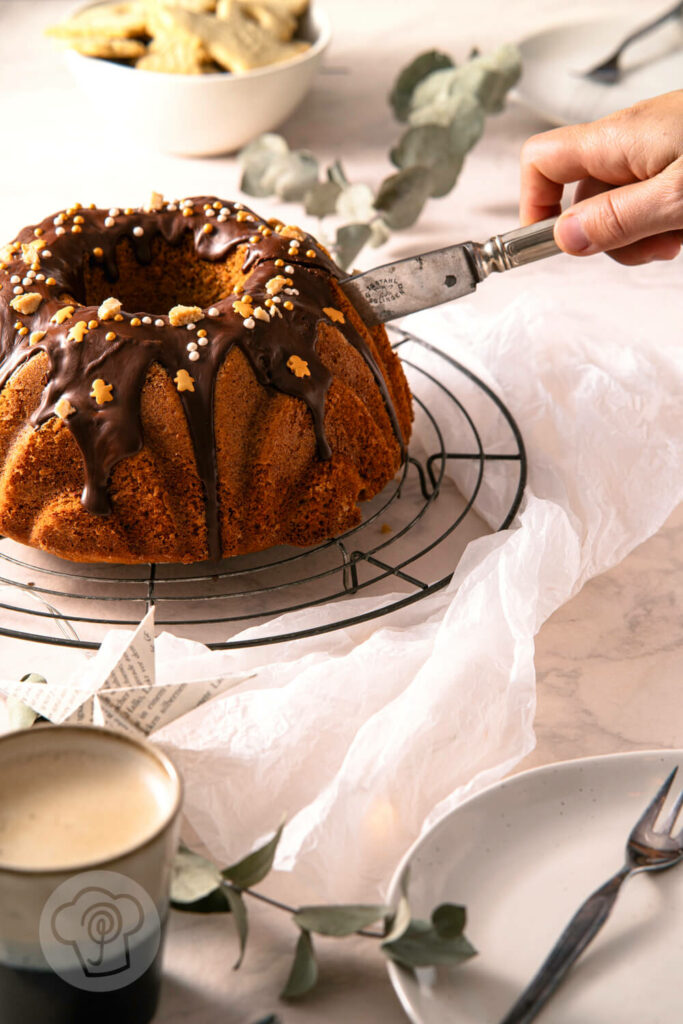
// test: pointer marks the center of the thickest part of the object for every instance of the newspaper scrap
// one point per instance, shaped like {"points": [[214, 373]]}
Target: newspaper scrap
{"points": [[122, 693]]}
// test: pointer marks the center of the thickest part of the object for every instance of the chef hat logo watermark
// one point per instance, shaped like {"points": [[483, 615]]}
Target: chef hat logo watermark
{"points": [[100, 931]]}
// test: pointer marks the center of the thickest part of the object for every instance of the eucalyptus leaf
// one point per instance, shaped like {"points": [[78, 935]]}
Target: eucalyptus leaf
{"points": [[355, 203], [467, 125], [270, 1019], [442, 97], [342, 919], [379, 232], [239, 913], [449, 920], [336, 174], [429, 145], [402, 196], [399, 923], [265, 146], [502, 69], [253, 868], [350, 240], [215, 903], [263, 161], [19, 714], [296, 175], [304, 972], [260, 177], [422, 946], [193, 877], [419, 69], [321, 200]]}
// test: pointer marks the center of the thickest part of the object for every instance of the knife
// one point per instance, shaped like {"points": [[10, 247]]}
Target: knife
{"points": [[420, 282]]}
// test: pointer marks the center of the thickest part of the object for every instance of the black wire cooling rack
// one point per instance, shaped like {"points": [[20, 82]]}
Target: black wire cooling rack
{"points": [[406, 548]]}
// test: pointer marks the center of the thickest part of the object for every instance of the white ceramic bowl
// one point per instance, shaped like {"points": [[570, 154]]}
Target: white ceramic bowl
{"points": [[199, 115]]}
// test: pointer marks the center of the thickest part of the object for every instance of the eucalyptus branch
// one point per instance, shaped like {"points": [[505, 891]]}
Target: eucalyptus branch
{"points": [[445, 108], [199, 886]]}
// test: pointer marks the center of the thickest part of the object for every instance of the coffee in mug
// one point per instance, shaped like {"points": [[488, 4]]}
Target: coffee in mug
{"points": [[88, 832]]}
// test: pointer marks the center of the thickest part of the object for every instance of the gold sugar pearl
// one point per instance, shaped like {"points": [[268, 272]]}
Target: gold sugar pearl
{"points": [[266, 232], [76, 229], [188, 212], [136, 322], [207, 229], [248, 298], [92, 324], [110, 336], [119, 317], [98, 252], [279, 263], [241, 216], [128, 211], [201, 333], [92, 206], [79, 220], [288, 304], [22, 331], [217, 205], [51, 281], [254, 238], [38, 232], [311, 253], [239, 288]]}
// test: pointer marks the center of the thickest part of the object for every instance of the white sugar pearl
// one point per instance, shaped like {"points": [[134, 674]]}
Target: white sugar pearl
{"points": [[146, 319], [45, 253], [40, 277], [213, 311], [249, 323], [289, 270], [210, 213], [109, 222], [30, 274], [158, 323], [114, 212], [18, 290], [26, 280], [194, 356], [238, 206], [14, 279], [191, 346], [192, 327], [172, 207], [138, 231], [59, 231], [221, 219], [203, 342]]}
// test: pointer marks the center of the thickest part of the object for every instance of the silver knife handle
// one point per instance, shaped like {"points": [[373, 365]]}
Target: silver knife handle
{"points": [[515, 248]]}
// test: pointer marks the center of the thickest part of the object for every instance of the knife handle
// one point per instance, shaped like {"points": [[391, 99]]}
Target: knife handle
{"points": [[516, 248]]}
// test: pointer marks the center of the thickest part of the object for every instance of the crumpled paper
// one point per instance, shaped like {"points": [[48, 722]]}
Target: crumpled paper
{"points": [[365, 736]]}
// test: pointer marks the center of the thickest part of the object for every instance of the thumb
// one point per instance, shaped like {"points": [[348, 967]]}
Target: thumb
{"points": [[621, 216]]}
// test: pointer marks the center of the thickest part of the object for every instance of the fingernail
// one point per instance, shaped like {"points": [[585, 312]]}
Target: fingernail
{"points": [[571, 236]]}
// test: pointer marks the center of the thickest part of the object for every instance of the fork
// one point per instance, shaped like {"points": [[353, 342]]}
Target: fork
{"points": [[646, 850], [608, 72]]}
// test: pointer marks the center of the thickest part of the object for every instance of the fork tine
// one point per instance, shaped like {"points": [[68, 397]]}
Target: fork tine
{"points": [[649, 815], [668, 824]]}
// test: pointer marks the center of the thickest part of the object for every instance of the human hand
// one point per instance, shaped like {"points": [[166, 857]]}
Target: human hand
{"points": [[629, 169]]}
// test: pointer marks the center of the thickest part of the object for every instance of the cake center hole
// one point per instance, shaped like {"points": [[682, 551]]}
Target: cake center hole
{"points": [[175, 276]]}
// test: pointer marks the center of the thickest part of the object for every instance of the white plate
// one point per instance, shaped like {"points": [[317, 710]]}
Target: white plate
{"points": [[553, 60], [522, 856]]}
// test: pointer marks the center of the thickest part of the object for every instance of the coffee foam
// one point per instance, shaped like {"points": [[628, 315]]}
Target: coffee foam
{"points": [[78, 797]]}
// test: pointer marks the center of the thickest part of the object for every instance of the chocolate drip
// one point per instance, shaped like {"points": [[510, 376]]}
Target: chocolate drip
{"points": [[111, 431]]}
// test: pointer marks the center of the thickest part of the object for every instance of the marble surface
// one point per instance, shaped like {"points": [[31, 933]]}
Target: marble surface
{"points": [[608, 662]]}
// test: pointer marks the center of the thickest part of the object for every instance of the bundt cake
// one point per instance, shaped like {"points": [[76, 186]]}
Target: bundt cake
{"points": [[186, 381]]}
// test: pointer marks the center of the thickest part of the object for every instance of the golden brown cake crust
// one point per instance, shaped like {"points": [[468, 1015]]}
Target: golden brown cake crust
{"points": [[186, 381]]}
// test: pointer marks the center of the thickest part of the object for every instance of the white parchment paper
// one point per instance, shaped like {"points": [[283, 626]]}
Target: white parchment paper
{"points": [[365, 736]]}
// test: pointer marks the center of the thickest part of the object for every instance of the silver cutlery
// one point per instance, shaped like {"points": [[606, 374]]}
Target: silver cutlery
{"points": [[647, 849], [420, 282], [608, 71]]}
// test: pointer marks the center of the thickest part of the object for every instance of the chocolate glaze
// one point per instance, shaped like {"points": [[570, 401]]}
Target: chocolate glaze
{"points": [[112, 431]]}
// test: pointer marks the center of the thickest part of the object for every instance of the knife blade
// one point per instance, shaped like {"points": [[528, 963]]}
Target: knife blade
{"points": [[431, 278]]}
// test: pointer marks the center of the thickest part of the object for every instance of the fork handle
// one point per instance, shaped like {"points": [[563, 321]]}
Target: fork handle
{"points": [[581, 930]]}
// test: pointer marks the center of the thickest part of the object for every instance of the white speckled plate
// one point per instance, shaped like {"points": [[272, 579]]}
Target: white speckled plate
{"points": [[522, 856], [552, 61]]}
